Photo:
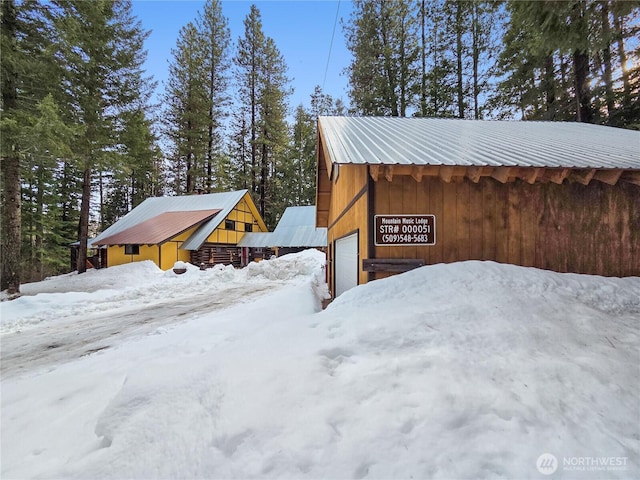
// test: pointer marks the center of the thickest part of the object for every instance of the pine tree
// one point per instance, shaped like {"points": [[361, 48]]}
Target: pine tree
{"points": [[28, 75], [381, 37], [45, 246], [99, 53], [299, 179], [272, 138], [215, 39], [249, 62], [260, 127], [187, 112], [324, 104], [11, 218], [437, 70], [563, 65], [138, 171]]}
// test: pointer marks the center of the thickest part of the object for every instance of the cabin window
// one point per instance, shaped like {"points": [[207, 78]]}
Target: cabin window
{"points": [[229, 224], [132, 249], [248, 227]]}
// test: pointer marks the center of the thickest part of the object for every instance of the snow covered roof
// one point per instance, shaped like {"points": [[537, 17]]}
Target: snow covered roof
{"points": [[296, 228], [458, 142], [152, 207]]}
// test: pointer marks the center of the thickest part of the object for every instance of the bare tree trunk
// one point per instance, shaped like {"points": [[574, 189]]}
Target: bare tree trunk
{"points": [[622, 55], [423, 58], [210, 134], [263, 176], [460, 86], [12, 223], [475, 27], [83, 228], [581, 67], [606, 58], [10, 169], [549, 87]]}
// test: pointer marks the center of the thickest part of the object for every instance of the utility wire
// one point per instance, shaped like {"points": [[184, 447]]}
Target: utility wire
{"points": [[326, 68]]}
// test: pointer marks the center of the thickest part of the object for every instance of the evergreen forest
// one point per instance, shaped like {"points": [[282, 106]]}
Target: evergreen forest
{"points": [[84, 139]]}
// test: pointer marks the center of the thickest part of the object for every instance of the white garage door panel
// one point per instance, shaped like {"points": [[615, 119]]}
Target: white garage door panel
{"points": [[346, 266]]}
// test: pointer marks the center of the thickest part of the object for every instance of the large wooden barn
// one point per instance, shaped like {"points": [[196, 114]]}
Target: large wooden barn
{"points": [[397, 193], [201, 229]]}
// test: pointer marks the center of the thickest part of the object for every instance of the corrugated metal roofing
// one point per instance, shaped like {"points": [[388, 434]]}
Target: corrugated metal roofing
{"points": [[159, 228], [256, 240], [151, 207], [296, 228], [227, 201], [435, 141]]}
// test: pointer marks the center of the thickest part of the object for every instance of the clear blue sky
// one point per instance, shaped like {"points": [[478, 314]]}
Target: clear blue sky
{"points": [[301, 29]]}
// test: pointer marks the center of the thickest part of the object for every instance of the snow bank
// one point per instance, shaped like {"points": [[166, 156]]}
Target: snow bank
{"points": [[287, 267], [113, 278], [469, 370], [121, 287], [489, 366]]}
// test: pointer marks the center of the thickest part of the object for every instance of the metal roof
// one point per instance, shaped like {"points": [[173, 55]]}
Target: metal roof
{"points": [[158, 229], [256, 240], [437, 141], [152, 207], [296, 228]]}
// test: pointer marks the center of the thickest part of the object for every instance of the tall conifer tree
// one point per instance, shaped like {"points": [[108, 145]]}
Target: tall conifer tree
{"points": [[215, 40], [187, 112], [99, 46]]}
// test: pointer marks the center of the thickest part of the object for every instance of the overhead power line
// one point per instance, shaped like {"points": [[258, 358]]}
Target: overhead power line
{"points": [[333, 33]]}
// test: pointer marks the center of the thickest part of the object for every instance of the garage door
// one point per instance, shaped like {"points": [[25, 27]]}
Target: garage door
{"points": [[346, 264]]}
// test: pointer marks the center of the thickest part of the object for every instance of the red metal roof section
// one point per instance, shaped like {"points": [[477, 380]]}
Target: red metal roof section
{"points": [[160, 228]]}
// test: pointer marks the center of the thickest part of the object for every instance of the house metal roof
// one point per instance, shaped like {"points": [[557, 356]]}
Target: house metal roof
{"points": [[296, 228], [457, 142], [152, 207], [158, 229]]}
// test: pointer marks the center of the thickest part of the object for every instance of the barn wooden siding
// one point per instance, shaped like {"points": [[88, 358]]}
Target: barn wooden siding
{"points": [[347, 211], [566, 227]]}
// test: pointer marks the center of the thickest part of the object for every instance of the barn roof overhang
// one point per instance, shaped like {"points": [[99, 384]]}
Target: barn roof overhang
{"points": [[504, 174]]}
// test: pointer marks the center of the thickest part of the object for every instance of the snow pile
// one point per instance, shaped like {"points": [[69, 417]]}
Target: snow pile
{"points": [[468, 370], [288, 266], [122, 287], [113, 278]]}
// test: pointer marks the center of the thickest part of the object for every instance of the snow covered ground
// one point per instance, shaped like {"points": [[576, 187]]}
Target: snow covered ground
{"points": [[468, 370]]}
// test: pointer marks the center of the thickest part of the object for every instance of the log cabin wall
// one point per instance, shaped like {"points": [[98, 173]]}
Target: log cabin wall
{"points": [[567, 227]]}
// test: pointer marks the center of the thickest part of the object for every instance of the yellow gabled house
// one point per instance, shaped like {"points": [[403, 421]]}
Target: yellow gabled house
{"points": [[200, 229]]}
